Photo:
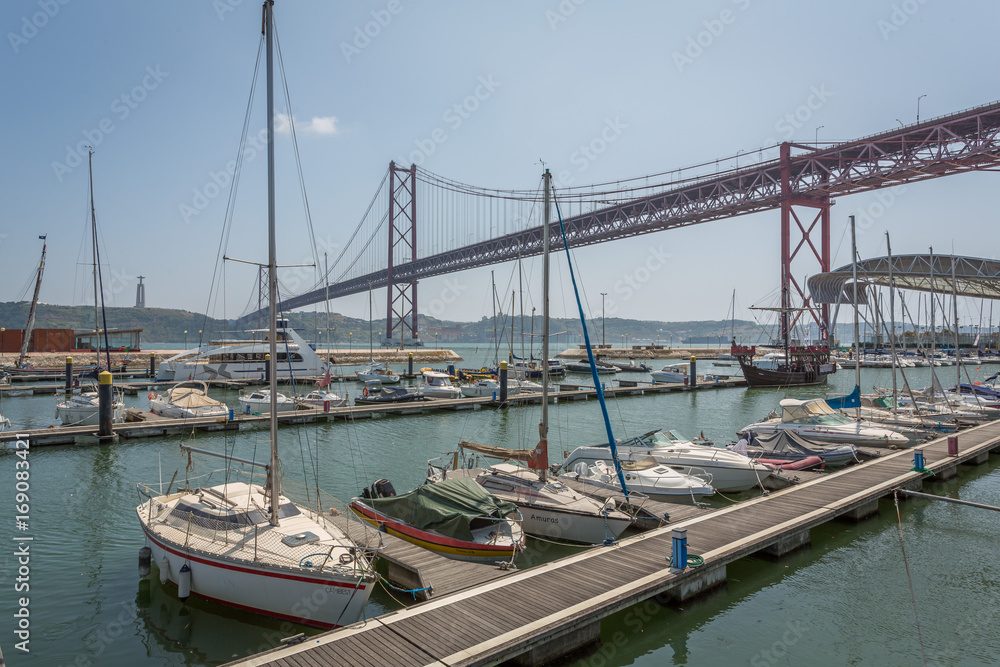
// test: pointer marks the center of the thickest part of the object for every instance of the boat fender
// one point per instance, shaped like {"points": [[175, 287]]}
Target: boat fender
{"points": [[145, 556], [364, 392], [184, 583], [164, 570]]}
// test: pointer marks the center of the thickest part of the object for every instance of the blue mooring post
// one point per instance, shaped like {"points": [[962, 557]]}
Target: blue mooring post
{"points": [[679, 555], [69, 375], [104, 409], [503, 381], [918, 459], [694, 372]]}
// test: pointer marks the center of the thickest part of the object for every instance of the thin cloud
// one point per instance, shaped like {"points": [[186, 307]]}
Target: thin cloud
{"points": [[323, 125]]}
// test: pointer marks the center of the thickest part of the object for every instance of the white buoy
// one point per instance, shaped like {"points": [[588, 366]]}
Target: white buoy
{"points": [[164, 570], [184, 583], [145, 556]]}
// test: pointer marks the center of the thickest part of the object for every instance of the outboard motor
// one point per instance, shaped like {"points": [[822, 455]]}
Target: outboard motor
{"points": [[382, 488]]}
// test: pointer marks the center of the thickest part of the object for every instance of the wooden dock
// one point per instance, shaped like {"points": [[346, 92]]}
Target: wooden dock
{"points": [[538, 614], [155, 426]]}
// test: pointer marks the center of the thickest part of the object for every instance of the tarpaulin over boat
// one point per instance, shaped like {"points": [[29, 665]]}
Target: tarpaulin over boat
{"points": [[787, 444], [852, 400], [447, 507]]}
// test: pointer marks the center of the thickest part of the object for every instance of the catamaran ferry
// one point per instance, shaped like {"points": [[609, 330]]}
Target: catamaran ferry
{"points": [[244, 359]]}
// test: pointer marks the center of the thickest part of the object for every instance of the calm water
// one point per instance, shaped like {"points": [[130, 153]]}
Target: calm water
{"points": [[845, 600]]}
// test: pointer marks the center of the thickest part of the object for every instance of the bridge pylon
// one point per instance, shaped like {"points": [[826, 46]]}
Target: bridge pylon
{"points": [[806, 211], [401, 298]]}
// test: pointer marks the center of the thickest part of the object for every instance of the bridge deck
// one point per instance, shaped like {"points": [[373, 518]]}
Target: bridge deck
{"points": [[494, 621]]}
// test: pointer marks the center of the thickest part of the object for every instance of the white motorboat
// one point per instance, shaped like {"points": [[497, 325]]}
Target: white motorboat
{"points": [[584, 367], [187, 400], [377, 371], [4, 423], [82, 409], [321, 398], [438, 385], [242, 359], [249, 546], [646, 476], [481, 388], [518, 385], [730, 471], [815, 420], [258, 401], [674, 373]]}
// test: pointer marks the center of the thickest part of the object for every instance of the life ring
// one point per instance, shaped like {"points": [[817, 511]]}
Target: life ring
{"points": [[151, 395], [364, 392]]}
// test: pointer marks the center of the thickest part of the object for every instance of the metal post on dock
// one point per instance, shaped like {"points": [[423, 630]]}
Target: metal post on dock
{"points": [[152, 365], [451, 370], [267, 369], [69, 375], [104, 401], [503, 381], [694, 372], [679, 553], [409, 366]]}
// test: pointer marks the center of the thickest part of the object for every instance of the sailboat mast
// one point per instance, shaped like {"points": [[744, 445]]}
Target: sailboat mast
{"points": [[31, 311], [954, 299], [371, 344], [93, 235], [892, 324], [857, 333], [272, 266], [543, 427]]}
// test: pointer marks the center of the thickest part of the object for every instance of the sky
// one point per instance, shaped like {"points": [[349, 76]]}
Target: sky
{"points": [[160, 89]]}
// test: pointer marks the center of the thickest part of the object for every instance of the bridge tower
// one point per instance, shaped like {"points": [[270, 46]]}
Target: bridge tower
{"points": [[401, 298], [806, 211]]}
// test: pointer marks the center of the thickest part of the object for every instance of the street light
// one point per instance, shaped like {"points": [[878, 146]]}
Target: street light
{"points": [[350, 340], [603, 330], [918, 106], [900, 122], [185, 338], [816, 136]]}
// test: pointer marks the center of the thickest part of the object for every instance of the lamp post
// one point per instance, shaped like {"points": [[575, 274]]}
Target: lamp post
{"points": [[816, 136], [603, 330], [350, 340], [918, 106], [185, 338]]}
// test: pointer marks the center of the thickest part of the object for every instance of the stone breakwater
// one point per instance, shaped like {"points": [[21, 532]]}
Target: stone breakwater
{"points": [[139, 360], [645, 353]]}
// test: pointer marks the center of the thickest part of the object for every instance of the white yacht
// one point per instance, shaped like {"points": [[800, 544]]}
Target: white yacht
{"points": [[377, 371], [815, 420], [244, 359], [480, 388], [83, 409], [730, 472], [438, 385], [258, 401], [647, 477], [186, 401], [321, 398], [675, 373]]}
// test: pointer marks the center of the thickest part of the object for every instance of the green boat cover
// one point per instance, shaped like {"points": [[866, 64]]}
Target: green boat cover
{"points": [[447, 507]]}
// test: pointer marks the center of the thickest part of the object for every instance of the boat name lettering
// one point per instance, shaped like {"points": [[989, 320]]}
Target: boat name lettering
{"points": [[544, 519]]}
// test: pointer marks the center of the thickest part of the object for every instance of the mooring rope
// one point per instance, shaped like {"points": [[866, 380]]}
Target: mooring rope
{"points": [[913, 597]]}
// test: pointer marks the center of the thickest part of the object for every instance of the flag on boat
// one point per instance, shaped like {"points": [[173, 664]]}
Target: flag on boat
{"points": [[325, 381]]}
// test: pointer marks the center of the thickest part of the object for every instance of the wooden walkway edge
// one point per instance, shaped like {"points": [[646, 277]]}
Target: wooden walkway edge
{"points": [[525, 613]]}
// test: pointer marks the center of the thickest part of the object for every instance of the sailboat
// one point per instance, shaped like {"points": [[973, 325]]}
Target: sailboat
{"points": [[84, 408], [30, 326], [246, 545], [549, 508], [375, 371]]}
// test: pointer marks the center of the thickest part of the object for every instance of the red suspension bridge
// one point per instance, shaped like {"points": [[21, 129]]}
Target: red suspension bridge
{"points": [[464, 227]]}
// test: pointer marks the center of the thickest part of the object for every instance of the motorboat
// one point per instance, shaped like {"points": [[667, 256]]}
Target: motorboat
{"points": [[584, 367], [678, 373], [438, 385], [548, 507], [374, 393], [4, 423], [377, 371], [481, 388], [83, 409], [187, 400], [518, 385], [533, 370], [645, 476], [630, 367], [791, 446], [730, 471], [321, 398], [244, 359], [816, 420], [258, 402], [456, 518]]}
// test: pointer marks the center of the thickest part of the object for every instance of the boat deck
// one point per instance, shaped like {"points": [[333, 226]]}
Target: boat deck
{"points": [[490, 623]]}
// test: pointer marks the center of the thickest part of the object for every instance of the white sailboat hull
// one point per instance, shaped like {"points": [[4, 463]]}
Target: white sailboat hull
{"points": [[569, 526], [324, 602]]}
